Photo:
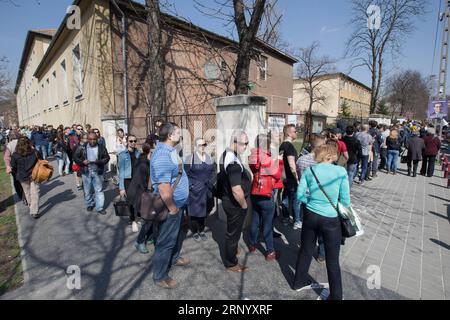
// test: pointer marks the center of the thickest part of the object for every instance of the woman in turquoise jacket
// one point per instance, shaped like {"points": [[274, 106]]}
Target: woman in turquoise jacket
{"points": [[321, 217]]}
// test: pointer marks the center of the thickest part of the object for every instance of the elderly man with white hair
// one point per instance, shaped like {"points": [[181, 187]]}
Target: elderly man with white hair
{"points": [[234, 182], [366, 141]]}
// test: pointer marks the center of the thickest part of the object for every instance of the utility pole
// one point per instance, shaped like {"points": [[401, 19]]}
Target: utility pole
{"points": [[443, 66]]}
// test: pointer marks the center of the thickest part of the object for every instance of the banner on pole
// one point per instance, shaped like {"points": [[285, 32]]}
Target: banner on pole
{"points": [[438, 109]]}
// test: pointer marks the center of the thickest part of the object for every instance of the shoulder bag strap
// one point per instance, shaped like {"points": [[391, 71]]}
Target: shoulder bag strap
{"points": [[180, 174], [323, 190]]}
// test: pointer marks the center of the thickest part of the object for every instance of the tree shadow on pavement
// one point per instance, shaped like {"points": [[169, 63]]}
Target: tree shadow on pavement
{"points": [[59, 198], [441, 215]]}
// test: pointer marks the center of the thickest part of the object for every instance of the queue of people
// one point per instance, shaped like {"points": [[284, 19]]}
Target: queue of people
{"points": [[306, 187]]}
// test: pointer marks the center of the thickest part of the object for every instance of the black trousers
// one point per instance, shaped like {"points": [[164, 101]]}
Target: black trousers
{"points": [[414, 164], [235, 222], [330, 229], [17, 187], [428, 165], [146, 232], [383, 155], [197, 224], [127, 183]]}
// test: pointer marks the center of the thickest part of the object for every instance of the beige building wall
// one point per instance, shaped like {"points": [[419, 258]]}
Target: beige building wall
{"points": [[328, 89], [29, 94], [335, 89], [58, 101]]}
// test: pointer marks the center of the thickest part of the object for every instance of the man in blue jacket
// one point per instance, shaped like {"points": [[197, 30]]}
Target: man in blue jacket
{"points": [[126, 162]]}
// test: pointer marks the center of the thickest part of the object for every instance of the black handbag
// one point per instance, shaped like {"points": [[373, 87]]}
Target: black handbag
{"points": [[403, 158], [122, 208], [346, 226], [152, 206]]}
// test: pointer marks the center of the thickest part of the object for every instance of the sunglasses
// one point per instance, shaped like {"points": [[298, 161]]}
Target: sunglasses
{"points": [[96, 132], [79, 128], [132, 141]]}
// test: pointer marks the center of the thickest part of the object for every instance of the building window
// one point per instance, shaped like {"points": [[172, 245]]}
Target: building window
{"points": [[77, 71], [263, 66], [64, 81], [54, 90]]}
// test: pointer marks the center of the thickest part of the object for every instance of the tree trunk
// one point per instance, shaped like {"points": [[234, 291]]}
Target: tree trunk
{"points": [[247, 37], [373, 98], [157, 84]]}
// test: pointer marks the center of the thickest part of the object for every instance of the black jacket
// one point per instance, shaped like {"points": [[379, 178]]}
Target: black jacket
{"points": [[394, 144], [22, 167], [81, 154], [139, 182], [354, 149]]}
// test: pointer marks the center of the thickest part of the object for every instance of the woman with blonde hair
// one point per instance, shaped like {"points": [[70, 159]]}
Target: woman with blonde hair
{"points": [[394, 148], [327, 184]]}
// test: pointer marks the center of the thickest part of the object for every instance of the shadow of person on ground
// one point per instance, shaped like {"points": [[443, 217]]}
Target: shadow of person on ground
{"points": [[442, 244], [59, 198]]}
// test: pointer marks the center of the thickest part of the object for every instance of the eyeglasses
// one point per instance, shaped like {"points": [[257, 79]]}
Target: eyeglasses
{"points": [[79, 128], [96, 132]]}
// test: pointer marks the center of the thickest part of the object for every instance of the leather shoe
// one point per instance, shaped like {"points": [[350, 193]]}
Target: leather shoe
{"points": [[167, 284], [182, 262], [238, 268]]}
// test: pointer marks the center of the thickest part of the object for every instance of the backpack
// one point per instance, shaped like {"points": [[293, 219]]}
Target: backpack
{"points": [[42, 171]]}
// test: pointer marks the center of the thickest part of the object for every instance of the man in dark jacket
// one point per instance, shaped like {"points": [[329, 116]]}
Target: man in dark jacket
{"points": [[432, 148], [416, 147], [354, 153], [92, 159]]}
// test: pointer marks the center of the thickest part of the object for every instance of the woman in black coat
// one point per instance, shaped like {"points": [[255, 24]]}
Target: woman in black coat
{"points": [[415, 146], [139, 184]]}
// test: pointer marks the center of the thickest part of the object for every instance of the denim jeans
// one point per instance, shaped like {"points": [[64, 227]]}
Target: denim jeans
{"points": [[92, 180], [63, 163], [290, 202], [262, 210], [49, 149], [352, 171], [364, 165], [392, 158], [375, 163], [43, 151], [315, 225], [166, 245]]}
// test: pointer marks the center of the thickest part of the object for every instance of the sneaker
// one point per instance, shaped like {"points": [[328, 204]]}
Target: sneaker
{"points": [[277, 234], [80, 188], [324, 294], [310, 285], [203, 236], [102, 212], [272, 256], [196, 237], [151, 241], [90, 208], [141, 248], [298, 225], [134, 227]]}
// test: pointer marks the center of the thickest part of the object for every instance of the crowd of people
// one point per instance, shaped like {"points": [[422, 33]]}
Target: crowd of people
{"points": [[303, 189]]}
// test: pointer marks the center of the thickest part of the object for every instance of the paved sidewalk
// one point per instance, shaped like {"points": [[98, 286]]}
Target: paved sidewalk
{"points": [[407, 235]]}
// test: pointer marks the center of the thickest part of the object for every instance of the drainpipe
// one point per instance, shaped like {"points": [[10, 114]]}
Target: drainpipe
{"points": [[124, 61]]}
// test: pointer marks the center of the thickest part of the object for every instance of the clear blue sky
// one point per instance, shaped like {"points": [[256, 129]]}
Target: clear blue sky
{"points": [[305, 21]]}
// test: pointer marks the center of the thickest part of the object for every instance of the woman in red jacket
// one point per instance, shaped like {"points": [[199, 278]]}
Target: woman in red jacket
{"points": [[265, 172]]}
